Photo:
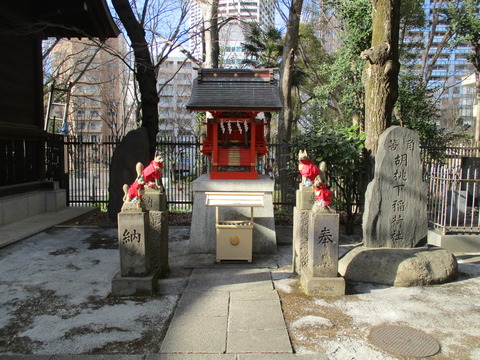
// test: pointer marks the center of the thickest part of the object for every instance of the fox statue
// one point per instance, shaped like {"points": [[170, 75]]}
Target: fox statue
{"points": [[152, 174], [135, 191], [307, 168]]}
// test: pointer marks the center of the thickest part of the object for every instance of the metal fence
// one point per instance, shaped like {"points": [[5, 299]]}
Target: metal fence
{"points": [[453, 175], [85, 172], [454, 199], [88, 167], [184, 162]]}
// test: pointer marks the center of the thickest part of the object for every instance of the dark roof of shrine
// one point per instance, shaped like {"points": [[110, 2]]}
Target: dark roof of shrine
{"points": [[235, 89], [59, 18]]}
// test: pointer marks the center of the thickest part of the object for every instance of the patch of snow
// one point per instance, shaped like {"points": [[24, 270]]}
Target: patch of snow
{"points": [[311, 320], [285, 285]]}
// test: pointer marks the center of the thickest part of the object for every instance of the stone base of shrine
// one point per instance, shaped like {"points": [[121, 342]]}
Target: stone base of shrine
{"points": [[326, 286], [133, 285], [202, 230]]}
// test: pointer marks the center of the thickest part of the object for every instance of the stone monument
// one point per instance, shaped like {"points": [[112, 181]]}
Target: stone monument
{"points": [[395, 221], [395, 213], [320, 276]]}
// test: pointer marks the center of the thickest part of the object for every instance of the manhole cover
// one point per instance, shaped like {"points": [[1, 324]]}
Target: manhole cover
{"points": [[405, 341]]}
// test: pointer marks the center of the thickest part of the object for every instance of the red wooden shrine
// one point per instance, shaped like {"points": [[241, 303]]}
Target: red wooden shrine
{"points": [[234, 143], [234, 100]]}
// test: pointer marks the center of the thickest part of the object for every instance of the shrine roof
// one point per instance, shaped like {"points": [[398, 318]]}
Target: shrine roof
{"points": [[235, 89], [59, 18]]}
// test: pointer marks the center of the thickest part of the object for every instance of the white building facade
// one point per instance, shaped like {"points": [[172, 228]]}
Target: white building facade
{"points": [[175, 77], [233, 33]]}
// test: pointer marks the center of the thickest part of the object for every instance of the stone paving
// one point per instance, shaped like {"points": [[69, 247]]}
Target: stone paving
{"points": [[228, 310]]}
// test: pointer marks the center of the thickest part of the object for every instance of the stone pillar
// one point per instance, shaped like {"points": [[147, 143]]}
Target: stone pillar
{"points": [[136, 277], [156, 204], [320, 277], [159, 239], [203, 233], [133, 240], [300, 239]]}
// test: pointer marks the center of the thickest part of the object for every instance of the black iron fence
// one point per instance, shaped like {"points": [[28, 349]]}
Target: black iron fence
{"points": [[453, 175], [83, 169]]}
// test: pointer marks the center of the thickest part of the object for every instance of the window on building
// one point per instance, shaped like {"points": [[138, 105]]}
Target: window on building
{"points": [[80, 114], [95, 126]]}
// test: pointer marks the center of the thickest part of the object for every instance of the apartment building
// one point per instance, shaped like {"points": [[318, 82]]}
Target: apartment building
{"points": [[233, 33], [449, 69], [99, 103], [175, 77]]}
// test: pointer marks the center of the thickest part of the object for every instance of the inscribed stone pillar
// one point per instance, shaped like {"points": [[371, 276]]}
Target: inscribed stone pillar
{"points": [[158, 230], [395, 213], [300, 239], [133, 239], [323, 234], [156, 204]]}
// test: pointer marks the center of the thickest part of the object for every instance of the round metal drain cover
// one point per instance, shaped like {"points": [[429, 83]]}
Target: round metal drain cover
{"points": [[404, 341]]}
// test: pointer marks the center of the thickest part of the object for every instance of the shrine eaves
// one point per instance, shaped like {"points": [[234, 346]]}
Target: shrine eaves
{"points": [[237, 102]]}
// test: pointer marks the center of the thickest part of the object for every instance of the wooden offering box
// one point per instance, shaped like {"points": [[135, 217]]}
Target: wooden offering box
{"points": [[234, 237]]}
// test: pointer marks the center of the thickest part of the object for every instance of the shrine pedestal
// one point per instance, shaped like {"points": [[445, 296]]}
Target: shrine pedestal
{"points": [[203, 232]]}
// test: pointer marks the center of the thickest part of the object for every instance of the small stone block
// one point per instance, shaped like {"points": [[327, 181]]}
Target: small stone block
{"points": [[328, 286], [129, 286], [155, 200], [305, 198]]}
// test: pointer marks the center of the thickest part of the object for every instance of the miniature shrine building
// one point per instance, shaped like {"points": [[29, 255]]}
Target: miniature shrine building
{"points": [[234, 100]]}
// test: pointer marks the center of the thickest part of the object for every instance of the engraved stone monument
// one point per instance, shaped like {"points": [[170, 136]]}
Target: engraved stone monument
{"points": [[395, 221], [395, 213]]}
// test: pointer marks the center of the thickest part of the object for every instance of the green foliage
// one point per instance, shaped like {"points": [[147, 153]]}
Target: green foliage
{"points": [[263, 47], [341, 149], [416, 109], [412, 18], [464, 19], [343, 90], [357, 24]]}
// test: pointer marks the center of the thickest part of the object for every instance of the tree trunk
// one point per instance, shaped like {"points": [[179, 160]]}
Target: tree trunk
{"points": [[144, 70], [285, 117], [210, 21], [477, 87], [380, 76]]}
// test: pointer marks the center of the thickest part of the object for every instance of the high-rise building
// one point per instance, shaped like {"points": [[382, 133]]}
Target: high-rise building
{"points": [[233, 32], [448, 65], [98, 107], [175, 77]]}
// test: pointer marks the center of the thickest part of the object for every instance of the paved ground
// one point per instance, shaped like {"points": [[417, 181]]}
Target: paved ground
{"points": [[55, 304]]}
